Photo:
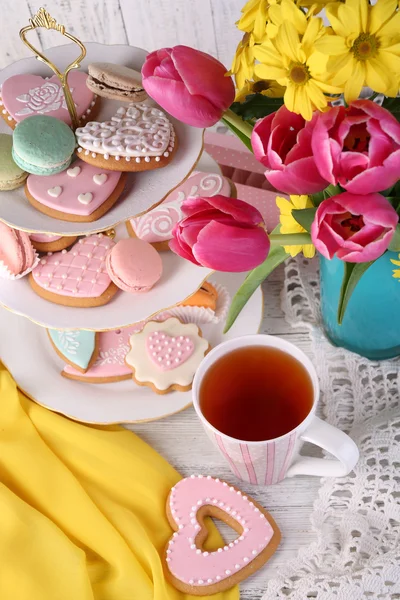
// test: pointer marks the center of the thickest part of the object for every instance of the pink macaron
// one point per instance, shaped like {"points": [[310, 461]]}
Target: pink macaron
{"points": [[133, 265], [16, 251]]}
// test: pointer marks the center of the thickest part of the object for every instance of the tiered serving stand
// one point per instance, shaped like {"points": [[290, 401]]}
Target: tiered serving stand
{"points": [[24, 346]]}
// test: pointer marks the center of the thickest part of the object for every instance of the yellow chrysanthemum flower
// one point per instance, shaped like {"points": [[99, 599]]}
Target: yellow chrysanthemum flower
{"points": [[290, 225], [254, 17], [365, 47], [266, 87], [291, 60], [243, 61], [286, 11], [396, 272]]}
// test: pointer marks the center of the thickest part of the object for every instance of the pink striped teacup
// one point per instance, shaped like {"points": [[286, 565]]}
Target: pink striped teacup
{"points": [[268, 462]]}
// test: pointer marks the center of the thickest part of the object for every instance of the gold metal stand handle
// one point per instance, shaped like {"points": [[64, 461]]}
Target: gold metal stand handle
{"points": [[44, 19]]}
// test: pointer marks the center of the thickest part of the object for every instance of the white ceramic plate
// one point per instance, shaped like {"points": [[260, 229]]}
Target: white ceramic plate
{"points": [[180, 279], [26, 351], [143, 190]]}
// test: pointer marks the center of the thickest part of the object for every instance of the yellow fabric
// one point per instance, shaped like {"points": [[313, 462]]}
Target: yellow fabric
{"points": [[82, 508]]}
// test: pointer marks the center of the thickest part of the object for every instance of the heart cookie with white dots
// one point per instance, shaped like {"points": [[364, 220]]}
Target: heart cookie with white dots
{"points": [[165, 356], [168, 352], [77, 277], [27, 95], [137, 138], [82, 193]]}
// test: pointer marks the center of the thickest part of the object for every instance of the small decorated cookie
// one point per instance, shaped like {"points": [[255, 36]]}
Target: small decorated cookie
{"points": [[76, 277], [190, 568], [43, 145], [156, 225], [116, 82], [82, 193], [109, 365], [78, 348], [11, 175], [26, 95], [47, 242], [138, 138], [165, 356]]}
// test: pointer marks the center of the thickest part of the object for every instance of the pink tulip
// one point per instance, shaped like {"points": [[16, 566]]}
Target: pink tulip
{"points": [[221, 233], [190, 85], [358, 147], [282, 142], [354, 228]]}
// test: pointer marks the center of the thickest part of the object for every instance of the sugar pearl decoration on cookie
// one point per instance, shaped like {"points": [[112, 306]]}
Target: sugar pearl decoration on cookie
{"points": [[75, 271], [135, 131], [186, 563]]}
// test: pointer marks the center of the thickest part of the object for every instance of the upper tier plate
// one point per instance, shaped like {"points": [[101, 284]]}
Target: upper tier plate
{"points": [[143, 190]]}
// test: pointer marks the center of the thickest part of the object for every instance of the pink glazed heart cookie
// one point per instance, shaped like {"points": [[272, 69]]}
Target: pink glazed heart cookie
{"points": [[109, 365], [82, 193], [195, 571], [156, 225], [27, 95], [165, 356], [77, 277]]}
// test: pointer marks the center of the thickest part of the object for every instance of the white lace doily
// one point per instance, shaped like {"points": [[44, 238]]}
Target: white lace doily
{"points": [[357, 518]]}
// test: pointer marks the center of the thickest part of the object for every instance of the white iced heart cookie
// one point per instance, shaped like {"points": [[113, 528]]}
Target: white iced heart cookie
{"points": [[100, 178], [85, 198], [165, 356], [138, 137], [74, 171], [54, 192]]}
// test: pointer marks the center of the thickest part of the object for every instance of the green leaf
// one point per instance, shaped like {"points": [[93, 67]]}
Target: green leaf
{"points": [[394, 245], [304, 217], [351, 276], [239, 134], [256, 106], [255, 278], [328, 192], [393, 106]]}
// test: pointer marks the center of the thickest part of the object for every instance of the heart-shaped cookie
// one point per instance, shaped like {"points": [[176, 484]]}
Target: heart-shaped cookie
{"points": [[138, 137], [77, 277], [168, 352], [73, 195], [27, 95]]}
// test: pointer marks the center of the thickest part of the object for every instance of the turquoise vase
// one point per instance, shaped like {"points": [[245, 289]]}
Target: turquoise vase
{"points": [[371, 324]]}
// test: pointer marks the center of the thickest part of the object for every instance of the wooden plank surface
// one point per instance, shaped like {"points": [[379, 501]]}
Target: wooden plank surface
{"points": [[208, 25]]}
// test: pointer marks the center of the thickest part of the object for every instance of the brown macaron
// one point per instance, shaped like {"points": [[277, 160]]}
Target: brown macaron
{"points": [[115, 82]]}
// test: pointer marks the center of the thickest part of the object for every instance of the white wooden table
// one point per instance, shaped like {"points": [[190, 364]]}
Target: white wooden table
{"points": [[181, 440]]}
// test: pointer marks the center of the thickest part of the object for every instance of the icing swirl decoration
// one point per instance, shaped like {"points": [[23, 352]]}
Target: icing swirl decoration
{"points": [[159, 223], [135, 131]]}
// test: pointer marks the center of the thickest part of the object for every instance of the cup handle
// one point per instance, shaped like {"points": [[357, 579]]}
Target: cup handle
{"points": [[334, 441]]}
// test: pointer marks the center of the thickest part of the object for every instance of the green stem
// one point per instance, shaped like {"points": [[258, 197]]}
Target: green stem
{"points": [[290, 239], [238, 122]]}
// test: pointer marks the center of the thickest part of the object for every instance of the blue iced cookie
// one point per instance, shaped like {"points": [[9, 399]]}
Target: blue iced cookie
{"points": [[43, 145], [77, 347]]}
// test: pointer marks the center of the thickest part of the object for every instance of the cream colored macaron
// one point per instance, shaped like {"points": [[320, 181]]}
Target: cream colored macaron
{"points": [[11, 176]]}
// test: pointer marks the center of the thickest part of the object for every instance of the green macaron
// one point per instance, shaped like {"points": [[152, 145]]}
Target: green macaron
{"points": [[11, 176], [43, 145]]}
